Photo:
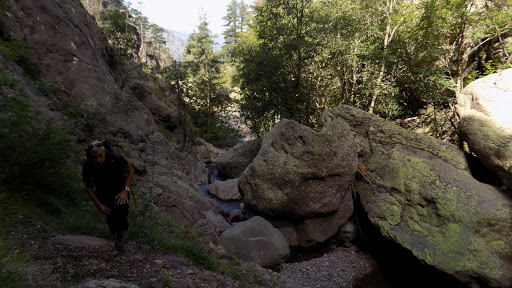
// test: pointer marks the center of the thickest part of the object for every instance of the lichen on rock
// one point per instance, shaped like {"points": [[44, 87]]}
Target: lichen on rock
{"points": [[423, 198]]}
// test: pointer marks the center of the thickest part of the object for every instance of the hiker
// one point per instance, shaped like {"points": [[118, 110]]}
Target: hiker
{"points": [[108, 178]]}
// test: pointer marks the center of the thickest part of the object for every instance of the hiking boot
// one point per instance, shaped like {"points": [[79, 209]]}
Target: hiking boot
{"points": [[119, 242]]}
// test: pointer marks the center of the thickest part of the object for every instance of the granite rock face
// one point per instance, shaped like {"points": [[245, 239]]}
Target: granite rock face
{"points": [[233, 162], [300, 172], [486, 122], [418, 193], [93, 96]]}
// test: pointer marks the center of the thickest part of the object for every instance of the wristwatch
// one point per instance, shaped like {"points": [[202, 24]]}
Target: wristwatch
{"points": [[127, 189]]}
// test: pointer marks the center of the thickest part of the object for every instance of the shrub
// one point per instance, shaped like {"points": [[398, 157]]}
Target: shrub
{"points": [[34, 155]]}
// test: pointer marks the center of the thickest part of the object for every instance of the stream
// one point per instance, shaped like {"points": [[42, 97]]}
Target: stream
{"points": [[394, 267], [227, 206]]}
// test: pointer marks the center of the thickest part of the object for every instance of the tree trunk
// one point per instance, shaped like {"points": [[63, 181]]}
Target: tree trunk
{"points": [[376, 91], [390, 33]]}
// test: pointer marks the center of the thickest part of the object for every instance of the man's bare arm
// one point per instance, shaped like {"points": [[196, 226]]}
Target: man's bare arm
{"points": [[122, 197], [103, 209]]}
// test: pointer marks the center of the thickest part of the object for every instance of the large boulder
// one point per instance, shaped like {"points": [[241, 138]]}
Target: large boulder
{"points": [[234, 161], [300, 172], [225, 190], [486, 122], [312, 231], [418, 193], [309, 232], [256, 240], [206, 152], [165, 114]]}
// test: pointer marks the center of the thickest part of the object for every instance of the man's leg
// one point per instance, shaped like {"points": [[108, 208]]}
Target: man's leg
{"points": [[119, 223]]}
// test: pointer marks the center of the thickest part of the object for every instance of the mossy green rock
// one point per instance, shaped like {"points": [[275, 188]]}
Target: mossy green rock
{"points": [[422, 197]]}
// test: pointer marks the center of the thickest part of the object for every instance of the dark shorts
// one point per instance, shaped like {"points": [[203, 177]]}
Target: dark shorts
{"points": [[118, 219]]}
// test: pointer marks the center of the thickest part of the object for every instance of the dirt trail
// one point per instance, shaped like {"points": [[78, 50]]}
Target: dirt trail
{"points": [[96, 262], [65, 260]]}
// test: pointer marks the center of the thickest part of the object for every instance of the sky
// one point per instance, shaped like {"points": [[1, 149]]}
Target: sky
{"points": [[183, 15]]}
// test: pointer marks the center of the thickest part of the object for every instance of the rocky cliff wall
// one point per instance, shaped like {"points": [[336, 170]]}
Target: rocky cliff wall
{"points": [[68, 52]]}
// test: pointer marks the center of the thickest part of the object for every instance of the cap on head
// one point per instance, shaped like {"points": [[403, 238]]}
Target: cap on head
{"points": [[94, 148]]}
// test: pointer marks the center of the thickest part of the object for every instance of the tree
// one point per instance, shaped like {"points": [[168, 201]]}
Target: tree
{"points": [[121, 33], [231, 33], [274, 59], [245, 17], [237, 21], [203, 77], [157, 52], [142, 24], [467, 30], [389, 57]]}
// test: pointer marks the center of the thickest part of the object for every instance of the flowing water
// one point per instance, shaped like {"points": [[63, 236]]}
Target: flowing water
{"points": [[227, 206]]}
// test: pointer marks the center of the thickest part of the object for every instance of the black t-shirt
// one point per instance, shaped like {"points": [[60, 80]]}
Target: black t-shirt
{"points": [[108, 179]]}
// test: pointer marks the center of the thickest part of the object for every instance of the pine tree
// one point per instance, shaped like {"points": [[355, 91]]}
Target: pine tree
{"points": [[232, 19], [245, 17], [237, 19], [273, 58], [204, 78]]}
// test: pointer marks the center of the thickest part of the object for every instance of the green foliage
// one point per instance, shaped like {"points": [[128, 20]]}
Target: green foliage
{"points": [[46, 88], [160, 229], [13, 50], [120, 33], [391, 58], [156, 53], [17, 52], [15, 265], [10, 80], [276, 62], [34, 155], [11, 266], [237, 20], [72, 111], [203, 85], [217, 131]]}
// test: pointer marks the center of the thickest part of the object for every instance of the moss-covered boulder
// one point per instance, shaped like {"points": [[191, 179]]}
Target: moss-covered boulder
{"points": [[419, 194]]}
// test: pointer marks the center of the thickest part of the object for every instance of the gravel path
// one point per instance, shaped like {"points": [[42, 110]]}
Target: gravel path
{"points": [[337, 268]]}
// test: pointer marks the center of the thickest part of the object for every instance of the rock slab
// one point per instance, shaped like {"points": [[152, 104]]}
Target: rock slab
{"points": [[420, 195], [233, 162], [225, 190], [486, 122]]}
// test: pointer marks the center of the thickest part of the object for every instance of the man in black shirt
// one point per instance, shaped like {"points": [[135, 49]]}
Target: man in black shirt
{"points": [[108, 179]]}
